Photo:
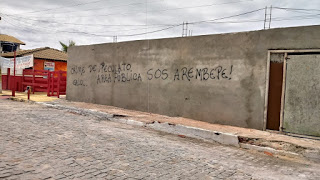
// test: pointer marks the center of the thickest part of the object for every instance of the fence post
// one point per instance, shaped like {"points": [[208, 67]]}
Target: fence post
{"points": [[23, 71], [59, 77], [52, 84], [33, 81], [28, 93], [48, 83]]}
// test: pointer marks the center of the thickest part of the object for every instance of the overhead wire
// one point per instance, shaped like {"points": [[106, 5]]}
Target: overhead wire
{"points": [[169, 9], [305, 11], [105, 35], [227, 17], [77, 24], [298, 17], [62, 7], [163, 10], [217, 20], [298, 9], [95, 32], [95, 9], [163, 29]]}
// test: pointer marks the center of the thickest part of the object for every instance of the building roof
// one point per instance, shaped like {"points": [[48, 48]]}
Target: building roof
{"points": [[40, 53], [7, 38]]}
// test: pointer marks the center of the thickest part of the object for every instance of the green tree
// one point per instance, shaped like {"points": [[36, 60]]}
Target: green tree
{"points": [[65, 46]]}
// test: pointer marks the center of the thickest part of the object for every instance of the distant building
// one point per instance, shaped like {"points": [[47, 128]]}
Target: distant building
{"points": [[44, 59], [9, 43]]}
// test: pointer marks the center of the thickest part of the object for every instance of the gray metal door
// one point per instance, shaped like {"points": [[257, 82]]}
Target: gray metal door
{"points": [[302, 95]]}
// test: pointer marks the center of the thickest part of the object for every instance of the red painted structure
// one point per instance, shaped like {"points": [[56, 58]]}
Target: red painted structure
{"points": [[14, 76], [52, 82], [7, 81], [44, 59], [58, 65]]}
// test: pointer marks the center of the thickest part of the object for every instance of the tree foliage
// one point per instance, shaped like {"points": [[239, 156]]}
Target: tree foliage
{"points": [[64, 47]]}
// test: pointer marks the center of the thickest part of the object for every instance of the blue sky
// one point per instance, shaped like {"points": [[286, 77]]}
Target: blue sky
{"points": [[41, 23]]}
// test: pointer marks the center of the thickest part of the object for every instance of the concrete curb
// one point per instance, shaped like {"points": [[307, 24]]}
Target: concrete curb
{"points": [[220, 137], [188, 131], [80, 111]]}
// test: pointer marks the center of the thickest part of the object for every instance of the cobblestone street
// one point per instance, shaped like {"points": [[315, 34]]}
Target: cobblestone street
{"points": [[42, 143]]}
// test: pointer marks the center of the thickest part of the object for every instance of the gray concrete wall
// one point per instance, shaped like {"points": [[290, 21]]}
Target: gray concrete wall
{"points": [[212, 78]]}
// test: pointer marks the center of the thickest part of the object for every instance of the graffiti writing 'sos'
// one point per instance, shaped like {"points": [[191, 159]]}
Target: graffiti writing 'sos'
{"points": [[124, 72]]}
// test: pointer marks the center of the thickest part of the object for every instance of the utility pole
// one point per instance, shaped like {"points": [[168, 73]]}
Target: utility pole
{"points": [[267, 17], [184, 29], [115, 39]]}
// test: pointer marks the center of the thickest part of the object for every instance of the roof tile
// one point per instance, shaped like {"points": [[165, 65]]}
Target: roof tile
{"points": [[41, 53], [7, 38]]}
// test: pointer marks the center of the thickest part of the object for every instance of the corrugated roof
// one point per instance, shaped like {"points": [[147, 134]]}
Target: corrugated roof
{"points": [[7, 38], [40, 53]]}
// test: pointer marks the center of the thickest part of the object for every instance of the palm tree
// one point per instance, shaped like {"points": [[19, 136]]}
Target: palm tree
{"points": [[65, 47]]}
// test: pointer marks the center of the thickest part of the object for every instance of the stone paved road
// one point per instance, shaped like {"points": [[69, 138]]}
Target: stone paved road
{"points": [[41, 143]]}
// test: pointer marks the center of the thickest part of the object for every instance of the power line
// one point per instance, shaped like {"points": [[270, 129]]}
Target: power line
{"points": [[241, 14], [163, 29], [76, 24], [297, 17], [132, 29], [124, 5], [56, 31], [104, 35], [62, 7], [176, 25], [169, 9], [131, 13], [137, 34], [298, 9], [227, 17]]}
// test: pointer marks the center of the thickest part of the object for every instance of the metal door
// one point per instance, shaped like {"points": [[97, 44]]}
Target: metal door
{"points": [[274, 95], [302, 95]]}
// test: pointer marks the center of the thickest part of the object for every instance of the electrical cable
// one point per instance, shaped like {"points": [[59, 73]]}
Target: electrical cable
{"points": [[76, 24], [103, 35], [105, 31], [62, 7], [95, 9], [176, 25], [163, 10], [298, 9], [227, 17]]}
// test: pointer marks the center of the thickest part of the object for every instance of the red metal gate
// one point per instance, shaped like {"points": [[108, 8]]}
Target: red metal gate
{"points": [[52, 82], [57, 83]]}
